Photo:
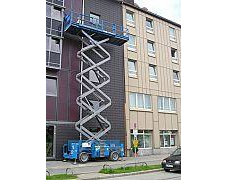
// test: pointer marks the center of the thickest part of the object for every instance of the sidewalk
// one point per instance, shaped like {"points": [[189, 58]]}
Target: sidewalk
{"points": [[90, 169]]}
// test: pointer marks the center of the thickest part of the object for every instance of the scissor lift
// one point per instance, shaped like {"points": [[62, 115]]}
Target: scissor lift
{"points": [[92, 100]]}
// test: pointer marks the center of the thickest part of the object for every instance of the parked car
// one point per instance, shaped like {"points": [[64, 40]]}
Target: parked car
{"points": [[173, 162]]}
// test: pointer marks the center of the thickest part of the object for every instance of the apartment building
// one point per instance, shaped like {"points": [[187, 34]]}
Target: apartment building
{"points": [[144, 77], [152, 59], [62, 65]]}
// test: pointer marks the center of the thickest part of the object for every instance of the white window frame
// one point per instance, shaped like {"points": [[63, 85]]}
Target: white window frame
{"points": [[48, 9], [169, 104], [151, 52], [50, 44], [151, 76], [150, 29], [132, 73], [172, 37], [49, 50], [143, 133], [176, 81], [144, 105], [94, 18], [130, 22], [55, 78], [56, 14], [174, 59], [170, 134], [132, 47]]}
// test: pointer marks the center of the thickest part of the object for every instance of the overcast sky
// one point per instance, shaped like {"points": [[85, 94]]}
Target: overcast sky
{"points": [[170, 9]]}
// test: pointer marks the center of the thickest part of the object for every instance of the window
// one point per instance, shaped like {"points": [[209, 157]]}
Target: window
{"points": [[167, 138], [55, 44], [132, 68], [56, 13], [130, 17], [149, 25], [166, 104], [152, 72], [139, 100], [172, 34], [174, 54], [48, 10], [176, 78], [49, 141], [172, 104], [51, 86], [132, 99], [94, 18], [147, 99], [132, 42], [144, 138], [150, 48]]}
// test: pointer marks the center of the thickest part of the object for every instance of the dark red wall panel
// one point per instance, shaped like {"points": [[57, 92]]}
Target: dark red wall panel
{"points": [[50, 108]]}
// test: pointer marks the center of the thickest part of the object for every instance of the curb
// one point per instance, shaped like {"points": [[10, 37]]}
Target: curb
{"points": [[123, 174]]}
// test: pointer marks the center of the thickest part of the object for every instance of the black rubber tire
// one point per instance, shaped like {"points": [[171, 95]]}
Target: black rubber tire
{"points": [[83, 157], [167, 170], [114, 156]]}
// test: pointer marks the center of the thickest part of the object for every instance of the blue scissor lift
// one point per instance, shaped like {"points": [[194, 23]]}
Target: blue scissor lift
{"points": [[92, 100]]}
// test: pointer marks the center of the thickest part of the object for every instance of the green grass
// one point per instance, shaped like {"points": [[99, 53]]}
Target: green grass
{"points": [[61, 177], [130, 169]]}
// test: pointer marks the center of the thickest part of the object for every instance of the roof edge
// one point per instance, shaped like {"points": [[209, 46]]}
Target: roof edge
{"points": [[153, 14]]}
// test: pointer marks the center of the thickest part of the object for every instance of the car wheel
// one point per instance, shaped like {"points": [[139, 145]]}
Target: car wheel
{"points": [[83, 157], [114, 156], [167, 170]]}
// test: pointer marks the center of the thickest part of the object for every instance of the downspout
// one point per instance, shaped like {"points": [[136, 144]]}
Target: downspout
{"points": [[81, 67]]}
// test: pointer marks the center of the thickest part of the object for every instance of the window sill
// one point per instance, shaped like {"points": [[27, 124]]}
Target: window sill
{"points": [[133, 76], [151, 31], [151, 55], [132, 49], [173, 40], [168, 147], [153, 80], [131, 23], [54, 67], [138, 109], [177, 84], [175, 61], [51, 95], [167, 112]]}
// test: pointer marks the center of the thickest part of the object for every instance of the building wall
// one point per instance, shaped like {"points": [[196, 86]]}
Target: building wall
{"points": [[152, 119], [111, 11], [64, 106]]}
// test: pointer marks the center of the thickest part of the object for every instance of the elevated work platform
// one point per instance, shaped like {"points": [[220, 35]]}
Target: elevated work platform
{"points": [[75, 23]]}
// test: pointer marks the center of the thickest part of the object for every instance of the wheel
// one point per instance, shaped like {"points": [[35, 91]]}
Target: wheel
{"points": [[83, 157], [167, 170], [114, 156]]}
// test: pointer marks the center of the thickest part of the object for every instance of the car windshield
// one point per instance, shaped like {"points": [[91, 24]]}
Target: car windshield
{"points": [[177, 152]]}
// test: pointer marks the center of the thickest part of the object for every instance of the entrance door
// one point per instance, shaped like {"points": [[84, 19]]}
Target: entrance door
{"points": [[50, 141]]}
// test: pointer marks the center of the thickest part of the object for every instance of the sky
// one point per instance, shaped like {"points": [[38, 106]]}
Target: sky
{"points": [[170, 9]]}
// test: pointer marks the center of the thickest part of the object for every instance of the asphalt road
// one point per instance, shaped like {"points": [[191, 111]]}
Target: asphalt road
{"points": [[162, 175]]}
